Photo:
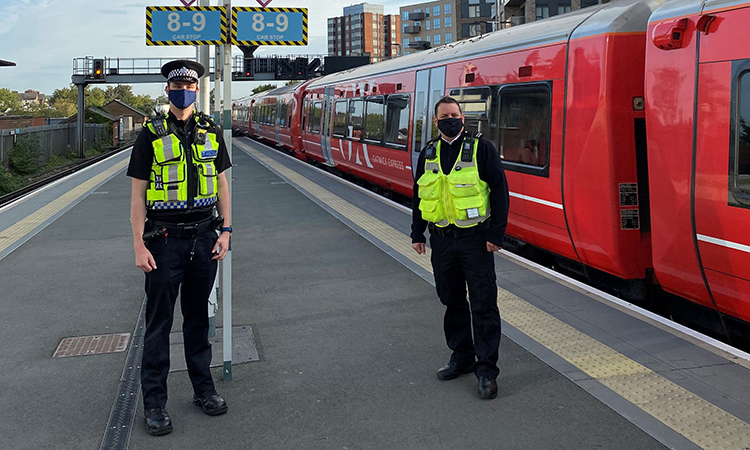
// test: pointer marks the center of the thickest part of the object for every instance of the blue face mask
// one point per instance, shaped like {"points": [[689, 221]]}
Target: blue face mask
{"points": [[182, 98]]}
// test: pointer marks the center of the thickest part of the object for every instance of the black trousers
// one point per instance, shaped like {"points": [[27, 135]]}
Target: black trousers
{"points": [[458, 262], [174, 268]]}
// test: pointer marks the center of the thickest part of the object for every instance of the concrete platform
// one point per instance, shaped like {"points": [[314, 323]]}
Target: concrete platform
{"points": [[348, 331]]}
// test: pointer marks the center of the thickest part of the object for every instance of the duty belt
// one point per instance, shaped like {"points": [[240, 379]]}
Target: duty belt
{"points": [[185, 230], [458, 233]]}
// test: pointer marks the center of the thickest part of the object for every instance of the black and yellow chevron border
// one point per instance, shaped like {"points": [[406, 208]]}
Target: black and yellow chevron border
{"points": [[224, 27], [254, 9]]}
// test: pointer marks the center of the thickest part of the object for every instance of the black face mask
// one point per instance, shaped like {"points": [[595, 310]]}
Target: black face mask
{"points": [[450, 127]]}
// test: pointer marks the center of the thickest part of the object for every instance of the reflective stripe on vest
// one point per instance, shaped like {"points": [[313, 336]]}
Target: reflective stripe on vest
{"points": [[460, 198], [168, 182]]}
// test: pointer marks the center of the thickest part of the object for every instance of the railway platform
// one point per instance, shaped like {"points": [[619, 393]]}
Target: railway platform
{"points": [[347, 329]]}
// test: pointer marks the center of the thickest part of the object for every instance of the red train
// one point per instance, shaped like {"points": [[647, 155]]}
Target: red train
{"points": [[568, 102]]}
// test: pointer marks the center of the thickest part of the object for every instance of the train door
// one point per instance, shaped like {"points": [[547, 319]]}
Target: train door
{"points": [[325, 132], [430, 87], [277, 121], [721, 172]]}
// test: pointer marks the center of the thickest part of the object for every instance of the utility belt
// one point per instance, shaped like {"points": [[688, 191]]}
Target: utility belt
{"points": [[156, 230], [458, 233]]}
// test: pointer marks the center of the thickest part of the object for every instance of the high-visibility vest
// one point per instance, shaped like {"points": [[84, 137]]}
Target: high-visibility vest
{"points": [[168, 185], [460, 198]]}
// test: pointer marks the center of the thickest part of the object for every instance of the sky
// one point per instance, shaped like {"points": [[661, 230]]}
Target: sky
{"points": [[43, 37]]}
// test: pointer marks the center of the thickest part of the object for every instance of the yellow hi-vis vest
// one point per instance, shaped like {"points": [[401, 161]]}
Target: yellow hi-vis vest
{"points": [[168, 185], [460, 198]]}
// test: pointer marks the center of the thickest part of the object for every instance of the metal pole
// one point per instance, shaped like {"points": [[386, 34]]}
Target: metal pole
{"points": [[218, 70], [204, 52], [226, 276], [79, 123]]}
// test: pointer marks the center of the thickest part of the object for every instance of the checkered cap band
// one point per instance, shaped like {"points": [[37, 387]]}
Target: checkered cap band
{"points": [[183, 72]]}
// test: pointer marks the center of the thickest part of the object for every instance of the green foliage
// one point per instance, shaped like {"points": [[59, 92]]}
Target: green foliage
{"points": [[9, 181], [9, 102], [264, 87], [24, 157], [65, 101]]}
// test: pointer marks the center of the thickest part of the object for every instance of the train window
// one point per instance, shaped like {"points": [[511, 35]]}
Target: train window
{"points": [[523, 128], [374, 119], [475, 104], [739, 161], [315, 116], [397, 120], [339, 118], [282, 115], [356, 118]]}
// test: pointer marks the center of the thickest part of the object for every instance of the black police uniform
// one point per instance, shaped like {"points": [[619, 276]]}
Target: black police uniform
{"points": [[460, 257], [184, 258]]}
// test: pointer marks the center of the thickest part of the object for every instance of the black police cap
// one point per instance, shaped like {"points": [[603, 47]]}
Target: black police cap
{"points": [[182, 70]]}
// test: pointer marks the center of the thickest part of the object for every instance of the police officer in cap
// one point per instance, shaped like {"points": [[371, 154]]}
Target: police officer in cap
{"points": [[178, 182], [461, 195]]}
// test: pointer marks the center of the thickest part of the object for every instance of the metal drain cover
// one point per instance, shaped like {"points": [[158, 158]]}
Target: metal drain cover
{"points": [[92, 345]]}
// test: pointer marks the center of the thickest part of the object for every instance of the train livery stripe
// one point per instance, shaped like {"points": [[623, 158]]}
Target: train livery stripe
{"points": [[723, 243], [698, 420], [536, 200], [16, 233]]}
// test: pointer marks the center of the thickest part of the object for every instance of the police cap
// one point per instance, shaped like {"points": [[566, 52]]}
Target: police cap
{"points": [[182, 70]]}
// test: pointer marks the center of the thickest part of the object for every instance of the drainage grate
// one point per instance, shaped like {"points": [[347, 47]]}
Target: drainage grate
{"points": [[92, 345]]}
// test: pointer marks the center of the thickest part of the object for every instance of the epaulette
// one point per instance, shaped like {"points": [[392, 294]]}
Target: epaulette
{"points": [[206, 119]]}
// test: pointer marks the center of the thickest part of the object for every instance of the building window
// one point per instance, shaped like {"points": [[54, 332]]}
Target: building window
{"points": [[435, 24], [473, 2], [448, 38], [406, 42], [436, 10], [436, 40], [429, 38], [475, 11], [404, 15], [562, 9], [447, 8], [542, 12], [397, 120], [448, 22], [417, 39], [374, 120], [427, 24]]}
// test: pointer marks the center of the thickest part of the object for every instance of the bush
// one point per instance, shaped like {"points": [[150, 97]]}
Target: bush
{"points": [[24, 157], [8, 181]]}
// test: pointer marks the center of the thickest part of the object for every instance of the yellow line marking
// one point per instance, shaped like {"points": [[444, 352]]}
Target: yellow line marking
{"points": [[24, 226], [701, 422]]}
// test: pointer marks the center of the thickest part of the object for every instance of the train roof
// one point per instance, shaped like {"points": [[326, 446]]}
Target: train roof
{"points": [[615, 17], [680, 8]]}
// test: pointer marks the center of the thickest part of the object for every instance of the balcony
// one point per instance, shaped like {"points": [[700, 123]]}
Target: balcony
{"points": [[416, 29], [417, 16]]}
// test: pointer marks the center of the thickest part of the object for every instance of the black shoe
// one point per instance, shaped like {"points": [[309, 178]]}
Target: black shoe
{"points": [[453, 370], [211, 403], [158, 422], [487, 388]]}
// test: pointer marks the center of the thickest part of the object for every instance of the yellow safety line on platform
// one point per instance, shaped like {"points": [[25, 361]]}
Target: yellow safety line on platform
{"points": [[698, 420], [18, 230]]}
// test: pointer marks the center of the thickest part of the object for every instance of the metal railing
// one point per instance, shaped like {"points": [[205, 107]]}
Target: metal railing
{"points": [[53, 139]]}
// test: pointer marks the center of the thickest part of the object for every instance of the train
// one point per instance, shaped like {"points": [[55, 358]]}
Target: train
{"points": [[623, 128]]}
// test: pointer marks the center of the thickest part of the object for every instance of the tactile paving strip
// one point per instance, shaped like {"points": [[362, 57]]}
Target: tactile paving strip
{"points": [[703, 423], [92, 345]]}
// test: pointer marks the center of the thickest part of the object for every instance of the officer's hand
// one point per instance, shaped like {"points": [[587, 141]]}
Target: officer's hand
{"points": [[221, 247], [418, 247], [144, 260], [492, 247]]}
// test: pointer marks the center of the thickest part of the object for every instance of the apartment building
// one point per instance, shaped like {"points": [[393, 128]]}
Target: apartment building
{"points": [[433, 22], [364, 30], [517, 12]]}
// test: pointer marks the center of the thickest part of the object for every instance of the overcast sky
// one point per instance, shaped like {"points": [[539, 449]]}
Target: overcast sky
{"points": [[44, 36]]}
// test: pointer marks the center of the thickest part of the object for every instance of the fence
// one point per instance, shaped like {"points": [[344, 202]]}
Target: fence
{"points": [[54, 139]]}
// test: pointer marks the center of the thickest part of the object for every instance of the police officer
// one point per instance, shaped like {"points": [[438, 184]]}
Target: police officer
{"points": [[461, 194], [177, 168]]}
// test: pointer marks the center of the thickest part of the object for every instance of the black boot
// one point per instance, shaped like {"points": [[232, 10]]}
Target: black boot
{"points": [[211, 403], [158, 422], [487, 388]]}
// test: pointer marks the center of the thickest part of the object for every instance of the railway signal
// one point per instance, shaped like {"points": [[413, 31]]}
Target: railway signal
{"points": [[97, 70]]}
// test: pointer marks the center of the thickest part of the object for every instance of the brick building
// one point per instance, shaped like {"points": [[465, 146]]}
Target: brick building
{"points": [[31, 97], [364, 30], [14, 122]]}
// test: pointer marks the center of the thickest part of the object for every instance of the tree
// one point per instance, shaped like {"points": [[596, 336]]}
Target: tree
{"points": [[264, 87], [65, 101], [122, 92], [291, 83], [9, 102]]}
